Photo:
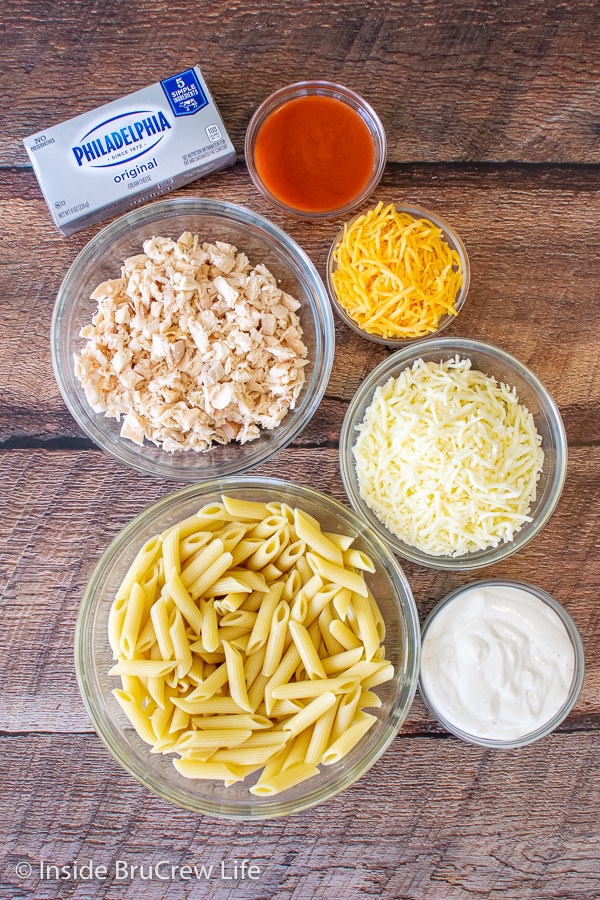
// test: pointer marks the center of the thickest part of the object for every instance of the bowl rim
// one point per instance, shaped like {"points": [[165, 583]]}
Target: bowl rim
{"points": [[321, 361], [85, 663], [326, 89], [578, 671], [418, 212], [391, 367]]}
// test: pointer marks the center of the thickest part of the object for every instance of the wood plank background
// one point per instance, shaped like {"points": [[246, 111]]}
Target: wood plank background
{"points": [[492, 112]]}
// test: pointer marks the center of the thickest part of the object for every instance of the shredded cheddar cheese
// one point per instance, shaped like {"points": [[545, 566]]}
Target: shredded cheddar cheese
{"points": [[448, 459], [396, 276]]}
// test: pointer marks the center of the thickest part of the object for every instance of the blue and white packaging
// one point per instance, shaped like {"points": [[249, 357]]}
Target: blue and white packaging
{"points": [[129, 151]]}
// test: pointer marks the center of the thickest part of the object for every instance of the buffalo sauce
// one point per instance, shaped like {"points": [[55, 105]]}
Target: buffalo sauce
{"points": [[314, 153]]}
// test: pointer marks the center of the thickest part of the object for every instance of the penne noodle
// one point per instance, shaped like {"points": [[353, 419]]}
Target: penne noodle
{"points": [[325, 621], [136, 715], [344, 636], [266, 552], [341, 602], [181, 597], [214, 737], [356, 559], [180, 720], [309, 531], [146, 668], [337, 574], [284, 781], [145, 558], [214, 706], [343, 541], [345, 713], [268, 527], [321, 733], [276, 639], [310, 713], [290, 556], [306, 649], [366, 625], [319, 602], [349, 739], [243, 550], [245, 509], [282, 675], [233, 720], [229, 585], [191, 768], [298, 748], [181, 646], [304, 570], [201, 561], [262, 623], [232, 535], [340, 662], [297, 690], [191, 544], [170, 552], [369, 698], [236, 676], [210, 685], [202, 584], [116, 617], [209, 627]]}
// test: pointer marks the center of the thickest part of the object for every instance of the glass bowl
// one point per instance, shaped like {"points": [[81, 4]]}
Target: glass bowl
{"points": [[322, 89], [493, 362], [263, 242], [454, 242], [93, 655], [576, 682]]}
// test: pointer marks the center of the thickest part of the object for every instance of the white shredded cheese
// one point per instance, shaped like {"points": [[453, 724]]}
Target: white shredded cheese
{"points": [[448, 459]]}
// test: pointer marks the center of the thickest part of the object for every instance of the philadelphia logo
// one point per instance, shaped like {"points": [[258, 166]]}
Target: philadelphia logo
{"points": [[140, 130]]}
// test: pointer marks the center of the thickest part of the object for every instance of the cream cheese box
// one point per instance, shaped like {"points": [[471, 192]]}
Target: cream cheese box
{"points": [[129, 151]]}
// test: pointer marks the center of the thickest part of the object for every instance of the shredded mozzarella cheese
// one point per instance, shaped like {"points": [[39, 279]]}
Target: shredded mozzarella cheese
{"points": [[448, 459]]}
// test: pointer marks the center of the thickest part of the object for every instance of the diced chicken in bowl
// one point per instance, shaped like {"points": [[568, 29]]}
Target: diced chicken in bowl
{"points": [[192, 346]]}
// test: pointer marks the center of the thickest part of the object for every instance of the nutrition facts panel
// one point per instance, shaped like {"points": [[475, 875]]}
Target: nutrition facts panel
{"points": [[492, 121]]}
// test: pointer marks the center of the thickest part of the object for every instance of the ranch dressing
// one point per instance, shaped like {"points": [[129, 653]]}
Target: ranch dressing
{"points": [[497, 662]]}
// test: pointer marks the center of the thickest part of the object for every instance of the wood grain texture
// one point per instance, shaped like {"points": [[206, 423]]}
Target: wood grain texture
{"points": [[499, 80], [64, 508], [535, 268], [466, 822]]}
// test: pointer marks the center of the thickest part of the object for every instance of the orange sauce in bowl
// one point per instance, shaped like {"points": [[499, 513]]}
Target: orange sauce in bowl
{"points": [[314, 153]]}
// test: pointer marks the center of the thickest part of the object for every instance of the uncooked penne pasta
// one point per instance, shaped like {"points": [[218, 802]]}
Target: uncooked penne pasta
{"points": [[309, 531], [348, 739], [246, 638], [337, 574], [145, 558], [276, 640], [306, 649], [245, 509], [284, 781]]}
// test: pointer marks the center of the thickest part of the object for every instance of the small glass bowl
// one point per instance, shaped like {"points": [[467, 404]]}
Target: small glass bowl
{"points": [[93, 655], [336, 92], [496, 363], [576, 682], [263, 242], [454, 242]]}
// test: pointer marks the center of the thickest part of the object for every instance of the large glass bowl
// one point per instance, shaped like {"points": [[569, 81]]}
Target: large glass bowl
{"points": [[93, 655], [496, 363], [263, 242]]}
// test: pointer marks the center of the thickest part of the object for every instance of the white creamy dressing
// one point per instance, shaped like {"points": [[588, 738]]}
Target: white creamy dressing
{"points": [[497, 662]]}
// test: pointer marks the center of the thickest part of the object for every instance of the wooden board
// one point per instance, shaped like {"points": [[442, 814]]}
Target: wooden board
{"points": [[466, 822], [486, 81]]}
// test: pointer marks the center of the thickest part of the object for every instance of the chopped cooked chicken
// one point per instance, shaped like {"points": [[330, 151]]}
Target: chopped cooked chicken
{"points": [[192, 346]]}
